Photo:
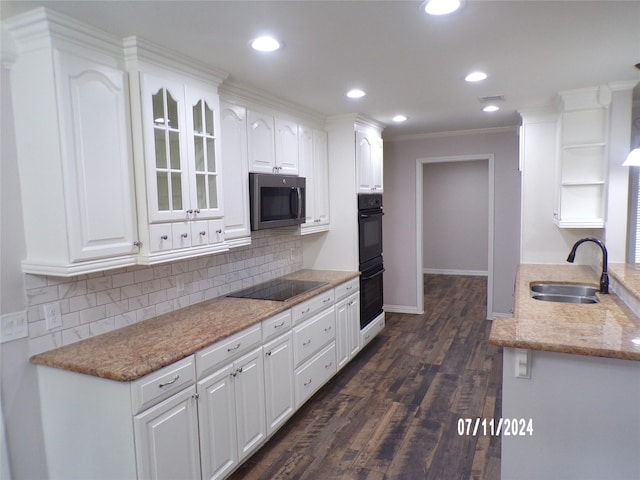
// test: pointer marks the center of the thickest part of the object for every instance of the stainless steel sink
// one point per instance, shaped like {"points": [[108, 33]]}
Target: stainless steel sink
{"points": [[564, 292]]}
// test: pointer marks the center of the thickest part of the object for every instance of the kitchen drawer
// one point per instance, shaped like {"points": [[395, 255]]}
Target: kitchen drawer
{"points": [[372, 330], [347, 288], [151, 389], [160, 237], [308, 309], [227, 350], [276, 325], [314, 374], [313, 334]]}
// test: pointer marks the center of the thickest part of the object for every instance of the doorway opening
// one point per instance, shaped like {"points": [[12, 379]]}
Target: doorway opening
{"points": [[488, 215]]}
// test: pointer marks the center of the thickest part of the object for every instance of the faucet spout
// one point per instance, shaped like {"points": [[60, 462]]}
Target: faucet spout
{"points": [[604, 277]]}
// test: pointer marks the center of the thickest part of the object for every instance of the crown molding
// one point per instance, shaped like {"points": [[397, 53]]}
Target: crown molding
{"points": [[139, 52], [453, 133]]}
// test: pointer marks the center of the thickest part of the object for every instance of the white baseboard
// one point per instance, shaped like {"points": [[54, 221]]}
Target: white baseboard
{"points": [[402, 309], [446, 271]]}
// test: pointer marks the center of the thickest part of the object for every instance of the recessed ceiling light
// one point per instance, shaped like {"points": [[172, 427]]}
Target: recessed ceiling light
{"points": [[399, 118], [441, 7], [355, 93], [265, 44], [476, 77], [491, 108]]}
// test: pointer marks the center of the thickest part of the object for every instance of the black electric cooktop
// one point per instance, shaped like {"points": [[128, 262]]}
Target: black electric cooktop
{"points": [[279, 289]]}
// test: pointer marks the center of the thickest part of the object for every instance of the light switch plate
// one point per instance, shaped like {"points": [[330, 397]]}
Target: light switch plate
{"points": [[14, 326], [52, 316]]}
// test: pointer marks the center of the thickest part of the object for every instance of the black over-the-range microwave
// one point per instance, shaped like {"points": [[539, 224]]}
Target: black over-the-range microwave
{"points": [[276, 200]]}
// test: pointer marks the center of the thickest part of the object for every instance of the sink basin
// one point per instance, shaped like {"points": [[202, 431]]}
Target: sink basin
{"points": [[564, 293]]}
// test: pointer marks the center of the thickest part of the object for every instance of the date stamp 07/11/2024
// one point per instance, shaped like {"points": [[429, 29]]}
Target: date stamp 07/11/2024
{"points": [[495, 427]]}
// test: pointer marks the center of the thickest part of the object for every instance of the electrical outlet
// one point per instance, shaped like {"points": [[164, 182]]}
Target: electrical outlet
{"points": [[14, 326], [52, 316]]}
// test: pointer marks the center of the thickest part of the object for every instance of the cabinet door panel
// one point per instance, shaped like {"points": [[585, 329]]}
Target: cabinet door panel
{"points": [[250, 414], [235, 163], [363, 161], [286, 145], [321, 177], [217, 420], [260, 144], [165, 149], [203, 118], [100, 206], [167, 439], [279, 391]]}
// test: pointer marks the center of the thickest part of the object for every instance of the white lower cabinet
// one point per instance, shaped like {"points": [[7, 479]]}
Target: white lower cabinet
{"points": [[315, 373], [202, 416], [231, 414], [167, 444], [370, 331], [278, 373], [347, 328]]}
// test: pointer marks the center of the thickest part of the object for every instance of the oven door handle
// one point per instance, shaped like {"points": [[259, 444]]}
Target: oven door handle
{"points": [[369, 277], [364, 215]]}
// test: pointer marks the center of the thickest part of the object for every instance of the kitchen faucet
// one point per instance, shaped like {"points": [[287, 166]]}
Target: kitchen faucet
{"points": [[604, 278]]}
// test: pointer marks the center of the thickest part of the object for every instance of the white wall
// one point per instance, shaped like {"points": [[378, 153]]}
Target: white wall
{"points": [[455, 216], [400, 209]]}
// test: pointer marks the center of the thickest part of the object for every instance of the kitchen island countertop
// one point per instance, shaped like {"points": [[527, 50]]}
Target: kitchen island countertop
{"points": [[131, 352], [605, 329]]}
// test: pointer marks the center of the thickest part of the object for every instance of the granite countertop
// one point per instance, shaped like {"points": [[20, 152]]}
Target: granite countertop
{"points": [[606, 329], [137, 350]]}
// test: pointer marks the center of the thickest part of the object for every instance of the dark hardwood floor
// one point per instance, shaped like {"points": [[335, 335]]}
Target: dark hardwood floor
{"points": [[392, 413]]}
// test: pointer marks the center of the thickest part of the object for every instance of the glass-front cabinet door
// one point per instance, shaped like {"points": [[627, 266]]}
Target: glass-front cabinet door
{"points": [[165, 152], [182, 151], [204, 150]]}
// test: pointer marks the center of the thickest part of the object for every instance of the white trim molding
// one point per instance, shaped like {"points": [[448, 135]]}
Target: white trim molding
{"points": [[448, 271], [420, 162]]}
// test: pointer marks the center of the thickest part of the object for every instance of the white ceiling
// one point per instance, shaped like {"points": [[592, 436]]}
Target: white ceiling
{"points": [[406, 61]]}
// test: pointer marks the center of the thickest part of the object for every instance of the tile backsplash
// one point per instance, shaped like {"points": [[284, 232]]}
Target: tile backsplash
{"points": [[100, 302]]}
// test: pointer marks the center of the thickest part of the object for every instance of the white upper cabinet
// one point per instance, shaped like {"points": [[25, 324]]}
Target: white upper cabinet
{"points": [[314, 167], [176, 113], [286, 146], [272, 144], [71, 111], [582, 162], [180, 122], [369, 160], [233, 122]]}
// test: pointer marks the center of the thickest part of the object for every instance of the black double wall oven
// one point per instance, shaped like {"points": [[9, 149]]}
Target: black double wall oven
{"points": [[370, 254]]}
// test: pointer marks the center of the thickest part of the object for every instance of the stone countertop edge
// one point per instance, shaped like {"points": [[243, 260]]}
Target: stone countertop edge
{"points": [[134, 351], [606, 329]]}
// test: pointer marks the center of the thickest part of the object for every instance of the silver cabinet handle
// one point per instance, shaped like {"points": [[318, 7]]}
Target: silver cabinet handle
{"points": [[170, 382], [281, 324], [190, 211], [164, 237], [195, 396], [306, 384], [219, 231], [304, 344], [328, 328], [239, 370], [326, 300], [328, 365], [197, 210], [203, 233], [233, 348], [184, 235], [137, 243], [305, 311]]}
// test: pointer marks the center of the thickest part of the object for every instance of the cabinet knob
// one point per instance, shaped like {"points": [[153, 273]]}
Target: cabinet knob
{"points": [[197, 210], [137, 243], [195, 396], [164, 237], [219, 231], [304, 344], [306, 384], [203, 233], [184, 235], [190, 211]]}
